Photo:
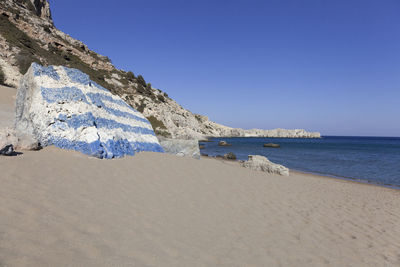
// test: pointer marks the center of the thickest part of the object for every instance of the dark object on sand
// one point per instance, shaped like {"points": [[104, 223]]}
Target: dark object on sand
{"points": [[8, 151], [223, 143], [230, 156], [272, 145]]}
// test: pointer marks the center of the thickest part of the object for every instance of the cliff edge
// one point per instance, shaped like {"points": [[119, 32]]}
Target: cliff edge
{"points": [[27, 34]]}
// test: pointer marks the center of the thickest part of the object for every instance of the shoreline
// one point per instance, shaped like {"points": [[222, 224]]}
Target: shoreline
{"points": [[345, 179], [323, 176]]}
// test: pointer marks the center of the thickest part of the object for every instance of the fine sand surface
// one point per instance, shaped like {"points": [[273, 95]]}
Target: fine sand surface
{"points": [[62, 208]]}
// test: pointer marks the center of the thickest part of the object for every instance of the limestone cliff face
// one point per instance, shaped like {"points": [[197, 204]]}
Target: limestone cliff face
{"points": [[27, 34], [42, 9]]}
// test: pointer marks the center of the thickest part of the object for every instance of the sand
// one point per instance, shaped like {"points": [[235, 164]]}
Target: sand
{"points": [[63, 208]]}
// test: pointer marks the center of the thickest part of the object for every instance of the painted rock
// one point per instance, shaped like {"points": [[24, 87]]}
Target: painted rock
{"points": [[61, 106]]}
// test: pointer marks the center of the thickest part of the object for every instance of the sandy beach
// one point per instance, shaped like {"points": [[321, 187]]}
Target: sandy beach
{"points": [[63, 208]]}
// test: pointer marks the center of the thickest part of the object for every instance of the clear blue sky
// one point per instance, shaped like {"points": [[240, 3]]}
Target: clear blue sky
{"points": [[328, 66]]}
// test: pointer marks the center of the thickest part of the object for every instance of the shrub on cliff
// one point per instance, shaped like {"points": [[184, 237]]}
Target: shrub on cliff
{"points": [[141, 80], [159, 127], [155, 123], [31, 51], [130, 76], [161, 98], [24, 60]]}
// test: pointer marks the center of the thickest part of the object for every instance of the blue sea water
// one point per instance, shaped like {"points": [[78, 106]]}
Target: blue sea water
{"points": [[368, 159]]}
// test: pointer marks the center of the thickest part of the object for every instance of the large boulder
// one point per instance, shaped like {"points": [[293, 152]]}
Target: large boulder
{"points": [[180, 147], [63, 107], [260, 163]]}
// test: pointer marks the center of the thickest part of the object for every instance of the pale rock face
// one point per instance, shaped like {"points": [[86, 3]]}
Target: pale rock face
{"points": [[42, 9], [11, 73], [63, 107], [181, 148], [183, 124], [260, 163]]}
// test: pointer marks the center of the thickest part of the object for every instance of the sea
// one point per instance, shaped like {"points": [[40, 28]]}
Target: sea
{"points": [[373, 160]]}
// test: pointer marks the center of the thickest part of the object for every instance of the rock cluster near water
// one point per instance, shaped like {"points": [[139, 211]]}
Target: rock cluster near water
{"points": [[230, 156], [61, 106], [260, 163]]}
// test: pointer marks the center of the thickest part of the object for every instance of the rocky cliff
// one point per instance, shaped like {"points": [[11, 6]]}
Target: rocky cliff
{"points": [[27, 34]]}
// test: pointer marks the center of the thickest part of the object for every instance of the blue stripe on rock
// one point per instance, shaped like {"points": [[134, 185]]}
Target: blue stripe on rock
{"points": [[88, 120], [64, 94], [97, 99], [50, 71], [80, 77], [107, 150], [77, 76], [111, 124]]}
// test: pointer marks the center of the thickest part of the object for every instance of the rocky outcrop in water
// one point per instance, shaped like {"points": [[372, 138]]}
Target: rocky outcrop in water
{"points": [[27, 34], [272, 145], [61, 106], [223, 143]]}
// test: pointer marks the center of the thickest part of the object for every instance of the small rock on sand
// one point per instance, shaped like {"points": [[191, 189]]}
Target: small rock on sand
{"points": [[8, 150]]}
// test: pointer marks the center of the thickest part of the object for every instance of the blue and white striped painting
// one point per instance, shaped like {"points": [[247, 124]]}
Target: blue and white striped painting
{"points": [[76, 113]]}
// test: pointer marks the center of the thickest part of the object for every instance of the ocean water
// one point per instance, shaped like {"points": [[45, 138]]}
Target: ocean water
{"points": [[366, 159]]}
